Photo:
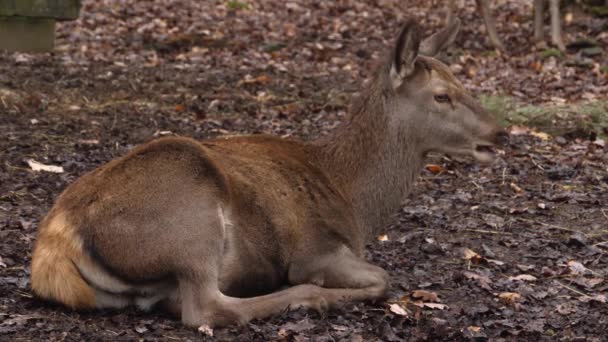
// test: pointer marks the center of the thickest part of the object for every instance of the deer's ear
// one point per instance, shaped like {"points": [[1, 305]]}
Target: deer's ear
{"points": [[405, 53], [434, 44]]}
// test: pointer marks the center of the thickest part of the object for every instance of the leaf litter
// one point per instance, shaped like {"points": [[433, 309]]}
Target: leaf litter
{"points": [[129, 71]]}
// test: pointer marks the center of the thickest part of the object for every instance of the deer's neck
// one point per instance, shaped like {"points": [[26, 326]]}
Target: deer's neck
{"points": [[372, 160]]}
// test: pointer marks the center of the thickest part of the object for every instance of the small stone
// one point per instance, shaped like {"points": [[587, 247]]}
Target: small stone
{"points": [[578, 240]]}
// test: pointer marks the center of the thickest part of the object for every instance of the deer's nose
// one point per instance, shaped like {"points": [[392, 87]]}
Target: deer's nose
{"points": [[502, 137]]}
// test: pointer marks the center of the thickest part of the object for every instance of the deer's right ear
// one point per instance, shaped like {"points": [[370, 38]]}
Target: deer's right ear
{"points": [[405, 53]]}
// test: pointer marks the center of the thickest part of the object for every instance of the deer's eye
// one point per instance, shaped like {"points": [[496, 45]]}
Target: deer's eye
{"points": [[442, 98]]}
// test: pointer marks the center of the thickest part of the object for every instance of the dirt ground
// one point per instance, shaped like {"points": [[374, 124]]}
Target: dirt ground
{"points": [[515, 250]]}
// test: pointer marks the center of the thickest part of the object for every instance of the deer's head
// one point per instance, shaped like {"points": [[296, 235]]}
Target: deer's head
{"points": [[425, 96]]}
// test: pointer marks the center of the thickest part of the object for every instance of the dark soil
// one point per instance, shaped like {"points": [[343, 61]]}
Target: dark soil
{"points": [[516, 250]]}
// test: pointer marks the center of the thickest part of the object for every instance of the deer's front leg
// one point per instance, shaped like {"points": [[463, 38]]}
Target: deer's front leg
{"points": [[342, 277]]}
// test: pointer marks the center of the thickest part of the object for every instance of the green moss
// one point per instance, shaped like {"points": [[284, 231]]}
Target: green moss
{"points": [[600, 11], [551, 53], [585, 119], [236, 5]]}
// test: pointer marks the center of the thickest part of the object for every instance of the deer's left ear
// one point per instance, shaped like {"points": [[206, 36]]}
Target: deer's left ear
{"points": [[405, 53]]}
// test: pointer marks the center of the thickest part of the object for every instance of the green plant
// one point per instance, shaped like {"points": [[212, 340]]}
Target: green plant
{"points": [[551, 53], [236, 5]]}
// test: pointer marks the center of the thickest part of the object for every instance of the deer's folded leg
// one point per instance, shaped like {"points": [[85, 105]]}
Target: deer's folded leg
{"points": [[343, 276], [212, 308]]}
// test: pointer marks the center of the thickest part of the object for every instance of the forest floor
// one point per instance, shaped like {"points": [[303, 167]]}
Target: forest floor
{"points": [[514, 250]]}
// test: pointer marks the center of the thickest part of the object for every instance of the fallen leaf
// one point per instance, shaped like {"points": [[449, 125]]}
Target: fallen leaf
{"points": [[475, 333], [250, 80], [299, 326], [523, 277], [36, 166], [435, 306], [596, 298], [141, 329], [515, 187], [179, 108], [577, 268], [383, 237], [525, 267], [482, 281], [540, 135], [495, 262], [426, 296], [518, 130], [206, 330], [469, 254], [398, 309], [509, 298], [434, 168], [588, 283], [339, 327]]}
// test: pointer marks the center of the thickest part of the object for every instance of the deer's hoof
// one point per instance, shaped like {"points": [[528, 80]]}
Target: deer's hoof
{"points": [[311, 297]]}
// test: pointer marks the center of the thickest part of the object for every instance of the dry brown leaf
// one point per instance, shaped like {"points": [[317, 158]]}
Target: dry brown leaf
{"points": [[426, 296], [495, 262], [518, 130], [434, 168], [179, 108], [435, 306], [595, 298], [482, 281], [509, 298], [398, 309], [540, 135], [523, 277], [382, 238], [470, 254], [473, 328], [515, 187], [577, 268]]}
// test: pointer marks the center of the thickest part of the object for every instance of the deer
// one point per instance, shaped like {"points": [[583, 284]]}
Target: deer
{"points": [[233, 228]]}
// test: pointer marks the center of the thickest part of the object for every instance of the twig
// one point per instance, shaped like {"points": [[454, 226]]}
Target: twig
{"points": [[487, 231], [551, 226], [477, 185], [540, 167], [603, 211], [573, 290], [601, 244]]}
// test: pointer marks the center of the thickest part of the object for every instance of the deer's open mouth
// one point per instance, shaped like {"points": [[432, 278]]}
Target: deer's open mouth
{"points": [[484, 153]]}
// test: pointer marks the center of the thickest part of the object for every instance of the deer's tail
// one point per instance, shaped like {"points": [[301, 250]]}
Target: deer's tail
{"points": [[55, 276]]}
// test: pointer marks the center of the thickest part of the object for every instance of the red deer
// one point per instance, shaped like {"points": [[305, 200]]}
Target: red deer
{"points": [[213, 229]]}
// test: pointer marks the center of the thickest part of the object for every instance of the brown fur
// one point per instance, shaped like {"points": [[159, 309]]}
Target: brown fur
{"points": [[54, 276], [200, 225]]}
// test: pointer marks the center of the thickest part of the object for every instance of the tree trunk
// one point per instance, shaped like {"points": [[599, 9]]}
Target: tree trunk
{"points": [[451, 10], [556, 26], [484, 6], [539, 34]]}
